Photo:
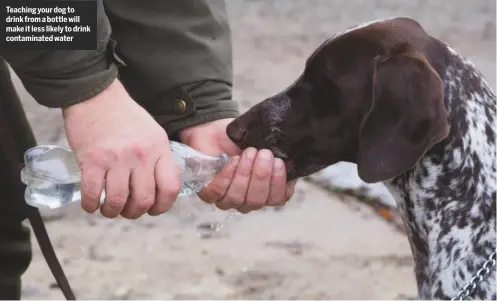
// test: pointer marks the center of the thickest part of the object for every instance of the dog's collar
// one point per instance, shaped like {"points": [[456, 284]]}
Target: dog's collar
{"points": [[483, 272]]}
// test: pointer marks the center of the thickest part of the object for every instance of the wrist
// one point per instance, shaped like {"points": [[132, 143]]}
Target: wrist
{"points": [[115, 89]]}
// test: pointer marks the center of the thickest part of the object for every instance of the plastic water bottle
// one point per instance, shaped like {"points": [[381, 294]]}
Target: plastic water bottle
{"points": [[52, 175]]}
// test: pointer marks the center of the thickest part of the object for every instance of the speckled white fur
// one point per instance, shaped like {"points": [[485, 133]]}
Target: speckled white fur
{"points": [[443, 226]]}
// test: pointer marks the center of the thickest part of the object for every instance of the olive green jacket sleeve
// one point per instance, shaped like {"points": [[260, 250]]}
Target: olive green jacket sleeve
{"points": [[59, 78], [174, 58], [178, 57]]}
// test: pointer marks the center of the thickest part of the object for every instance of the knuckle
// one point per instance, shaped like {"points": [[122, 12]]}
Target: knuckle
{"points": [[102, 155], [234, 200], [92, 192], [145, 204], [144, 191], [244, 171], [115, 154], [88, 182], [90, 188], [93, 156], [256, 201], [262, 173], [115, 202], [279, 179], [139, 151], [223, 179]]}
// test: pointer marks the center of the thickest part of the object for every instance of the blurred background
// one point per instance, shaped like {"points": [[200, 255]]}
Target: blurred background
{"points": [[336, 239]]}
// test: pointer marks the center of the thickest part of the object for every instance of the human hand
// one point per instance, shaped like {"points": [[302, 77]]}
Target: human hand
{"points": [[250, 180], [116, 140]]}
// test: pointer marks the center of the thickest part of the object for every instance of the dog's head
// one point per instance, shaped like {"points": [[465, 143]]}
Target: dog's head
{"points": [[368, 96]]}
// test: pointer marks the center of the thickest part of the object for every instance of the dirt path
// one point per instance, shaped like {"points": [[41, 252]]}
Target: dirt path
{"points": [[320, 246]]}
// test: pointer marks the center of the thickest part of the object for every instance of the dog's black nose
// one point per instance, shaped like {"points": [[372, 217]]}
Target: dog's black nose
{"points": [[235, 132]]}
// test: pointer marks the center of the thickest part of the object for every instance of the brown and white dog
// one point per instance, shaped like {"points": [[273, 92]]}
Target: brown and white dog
{"points": [[412, 113]]}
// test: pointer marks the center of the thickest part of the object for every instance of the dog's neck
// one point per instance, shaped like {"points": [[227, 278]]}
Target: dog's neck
{"points": [[449, 198]]}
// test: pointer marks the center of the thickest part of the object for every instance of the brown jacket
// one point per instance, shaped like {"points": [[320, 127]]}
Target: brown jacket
{"points": [[174, 58]]}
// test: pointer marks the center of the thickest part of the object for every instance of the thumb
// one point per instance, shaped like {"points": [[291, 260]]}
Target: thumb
{"points": [[228, 146], [205, 146], [215, 146]]}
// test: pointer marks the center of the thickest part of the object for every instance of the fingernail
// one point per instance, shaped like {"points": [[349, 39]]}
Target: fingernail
{"points": [[250, 153], [279, 166], [265, 155]]}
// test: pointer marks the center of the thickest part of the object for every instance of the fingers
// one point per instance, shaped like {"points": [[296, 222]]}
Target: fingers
{"points": [[277, 196], [142, 194], [260, 182], [237, 191], [167, 185], [250, 182], [116, 191], [217, 188], [92, 182], [132, 189]]}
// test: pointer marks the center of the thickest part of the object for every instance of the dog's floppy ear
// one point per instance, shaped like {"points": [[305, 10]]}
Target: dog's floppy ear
{"points": [[406, 118]]}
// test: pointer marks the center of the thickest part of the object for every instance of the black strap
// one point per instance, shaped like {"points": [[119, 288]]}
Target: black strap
{"points": [[48, 251], [16, 136]]}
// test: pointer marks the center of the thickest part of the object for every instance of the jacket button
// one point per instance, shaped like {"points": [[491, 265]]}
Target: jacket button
{"points": [[179, 106]]}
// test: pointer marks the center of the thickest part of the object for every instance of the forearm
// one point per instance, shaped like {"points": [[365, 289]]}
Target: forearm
{"points": [[59, 78], [178, 59]]}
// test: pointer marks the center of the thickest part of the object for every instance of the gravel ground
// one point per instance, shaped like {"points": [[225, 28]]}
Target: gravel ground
{"points": [[320, 246]]}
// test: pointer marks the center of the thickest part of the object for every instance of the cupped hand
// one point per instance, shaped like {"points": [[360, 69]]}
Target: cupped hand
{"points": [[118, 143], [250, 180]]}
